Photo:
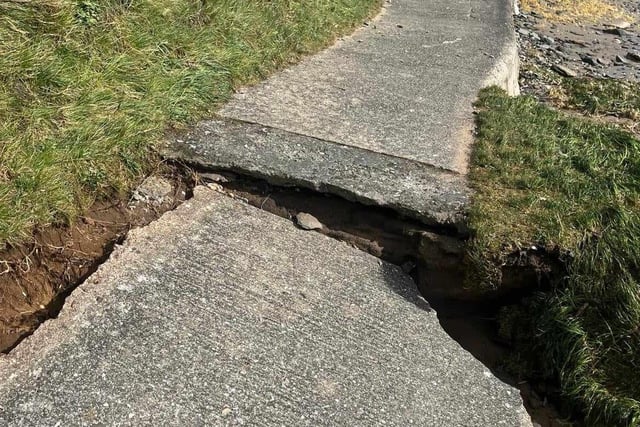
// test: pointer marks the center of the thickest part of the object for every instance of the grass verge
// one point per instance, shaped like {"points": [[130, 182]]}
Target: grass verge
{"points": [[604, 97], [87, 87], [558, 182]]}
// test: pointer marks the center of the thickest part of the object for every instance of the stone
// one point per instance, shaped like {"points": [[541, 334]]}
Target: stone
{"points": [[154, 190], [588, 59], [620, 60], [548, 40], [308, 222], [564, 70], [213, 177], [621, 24], [634, 56], [615, 31]]}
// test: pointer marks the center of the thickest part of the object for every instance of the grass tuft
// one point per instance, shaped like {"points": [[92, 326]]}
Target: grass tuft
{"points": [[601, 97], [548, 179], [87, 87]]}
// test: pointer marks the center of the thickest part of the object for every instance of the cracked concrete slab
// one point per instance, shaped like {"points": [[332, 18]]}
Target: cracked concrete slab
{"points": [[434, 196], [222, 314], [403, 87]]}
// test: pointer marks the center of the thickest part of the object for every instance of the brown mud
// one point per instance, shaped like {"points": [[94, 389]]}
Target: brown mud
{"points": [[36, 277]]}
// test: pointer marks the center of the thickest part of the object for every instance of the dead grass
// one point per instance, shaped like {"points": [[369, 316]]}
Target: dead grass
{"points": [[579, 11]]}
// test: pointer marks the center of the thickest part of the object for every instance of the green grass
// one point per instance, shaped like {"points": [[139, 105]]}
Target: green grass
{"points": [[88, 87], [556, 181], [602, 97], [598, 97]]}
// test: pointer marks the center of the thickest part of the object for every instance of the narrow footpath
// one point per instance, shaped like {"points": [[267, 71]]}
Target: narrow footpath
{"points": [[221, 313]]}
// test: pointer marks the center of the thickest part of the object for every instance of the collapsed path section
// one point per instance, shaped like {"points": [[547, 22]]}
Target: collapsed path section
{"points": [[220, 313], [383, 117]]}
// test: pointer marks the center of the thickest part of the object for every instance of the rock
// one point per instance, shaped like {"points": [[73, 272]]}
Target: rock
{"points": [[619, 24], [154, 190], [564, 71], [588, 59], [308, 222], [615, 31], [548, 40], [214, 177], [621, 60], [603, 61], [634, 56], [226, 412]]}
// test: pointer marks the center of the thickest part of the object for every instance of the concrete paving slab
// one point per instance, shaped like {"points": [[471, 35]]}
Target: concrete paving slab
{"points": [[222, 314], [400, 88], [434, 196]]}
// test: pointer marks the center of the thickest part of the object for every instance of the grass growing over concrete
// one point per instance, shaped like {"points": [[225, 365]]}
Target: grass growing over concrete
{"points": [[548, 179], [87, 87]]}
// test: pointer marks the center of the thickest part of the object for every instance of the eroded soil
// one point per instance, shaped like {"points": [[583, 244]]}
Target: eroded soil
{"points": [[35, 278]]}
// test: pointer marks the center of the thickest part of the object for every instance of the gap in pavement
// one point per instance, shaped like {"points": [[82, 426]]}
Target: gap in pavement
{"points": [[37, 278], [432, 256]]}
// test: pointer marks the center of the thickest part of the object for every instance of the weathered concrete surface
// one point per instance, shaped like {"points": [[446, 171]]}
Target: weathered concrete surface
{"points": [[400, 88], [434, 196], [222, 314]]}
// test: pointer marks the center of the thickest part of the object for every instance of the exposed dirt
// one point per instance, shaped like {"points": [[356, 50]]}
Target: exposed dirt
{"points": [[378, 231], [36, 278]]}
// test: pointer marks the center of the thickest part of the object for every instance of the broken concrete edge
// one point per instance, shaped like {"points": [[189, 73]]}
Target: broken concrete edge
{"points": [[448, 222], [26, 361], [506, 71], [84, 295]]}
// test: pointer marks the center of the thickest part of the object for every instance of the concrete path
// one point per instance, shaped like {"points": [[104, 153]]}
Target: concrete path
{"points": [[383, 117], [222, 314]]}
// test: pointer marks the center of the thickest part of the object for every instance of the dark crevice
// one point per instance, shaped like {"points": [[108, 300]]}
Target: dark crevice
{"points": [[432, 256]]}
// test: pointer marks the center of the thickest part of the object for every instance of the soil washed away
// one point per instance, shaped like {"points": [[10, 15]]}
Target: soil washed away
{"points": [[36, 278]]}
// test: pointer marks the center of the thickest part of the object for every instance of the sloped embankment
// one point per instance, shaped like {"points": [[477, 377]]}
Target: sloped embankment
{"points": [[548, 182]]}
